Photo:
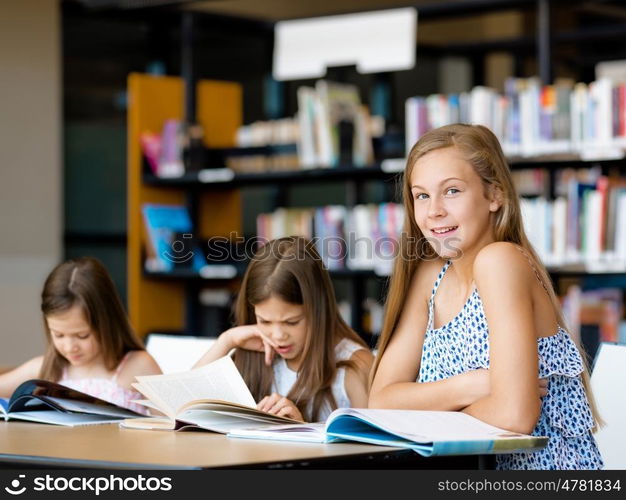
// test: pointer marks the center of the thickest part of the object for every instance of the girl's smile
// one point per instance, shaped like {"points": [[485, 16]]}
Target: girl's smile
{"points": [[440, 232], [451, 205]]}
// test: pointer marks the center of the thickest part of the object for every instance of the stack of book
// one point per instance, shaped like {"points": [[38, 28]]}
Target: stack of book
{"points": [[334, 127]]}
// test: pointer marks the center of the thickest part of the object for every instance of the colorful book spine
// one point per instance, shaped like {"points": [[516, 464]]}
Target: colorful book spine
{"points": [[531, 119]]}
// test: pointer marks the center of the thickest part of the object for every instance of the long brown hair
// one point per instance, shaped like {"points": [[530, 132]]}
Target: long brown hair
{"points": [[291, 269], [482, 150], [85, 282]]}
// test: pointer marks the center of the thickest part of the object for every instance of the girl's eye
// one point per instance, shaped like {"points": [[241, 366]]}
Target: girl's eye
{"points": [[263, 322], [292, 323], [421, 196], [83, 337], [452, 191]]}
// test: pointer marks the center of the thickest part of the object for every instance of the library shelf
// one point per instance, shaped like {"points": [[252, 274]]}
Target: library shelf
{"points": [[205, 178], [216, 178]]}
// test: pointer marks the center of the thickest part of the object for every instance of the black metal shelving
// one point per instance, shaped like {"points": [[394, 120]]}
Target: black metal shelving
{"points": [[355, 174], [190, 179]]}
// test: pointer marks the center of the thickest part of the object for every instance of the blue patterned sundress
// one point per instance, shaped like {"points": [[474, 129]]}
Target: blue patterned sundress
{"points": [[463, 345]]}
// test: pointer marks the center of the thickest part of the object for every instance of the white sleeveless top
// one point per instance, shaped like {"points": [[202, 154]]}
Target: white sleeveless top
{"points": [[285, 377]]}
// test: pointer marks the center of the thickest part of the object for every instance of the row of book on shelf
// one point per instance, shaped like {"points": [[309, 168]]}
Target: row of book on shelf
{"points": [[531, 119], [332, 127], [363, 237], [585, 223]]}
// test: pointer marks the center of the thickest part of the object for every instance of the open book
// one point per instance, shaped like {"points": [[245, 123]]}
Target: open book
{"points": [[427, 432], [213, 397], [51, 403]]}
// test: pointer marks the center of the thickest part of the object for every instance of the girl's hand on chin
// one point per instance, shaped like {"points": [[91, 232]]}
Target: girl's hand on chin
{"points": [[252, 338]]}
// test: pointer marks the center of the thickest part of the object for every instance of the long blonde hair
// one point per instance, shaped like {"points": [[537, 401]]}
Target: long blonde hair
{"points": [[291, 269], [85, 282], [481, 149]]}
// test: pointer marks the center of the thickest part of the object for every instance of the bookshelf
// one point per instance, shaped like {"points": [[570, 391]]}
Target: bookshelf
{"points": [[167, 301], [155, 304]]}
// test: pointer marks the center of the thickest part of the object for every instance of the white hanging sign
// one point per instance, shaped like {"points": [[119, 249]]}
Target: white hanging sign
{"points": [[373, 41]]}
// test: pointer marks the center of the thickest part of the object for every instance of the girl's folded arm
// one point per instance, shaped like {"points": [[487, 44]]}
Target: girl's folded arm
{"points": [[504, 282], [394, 384]]}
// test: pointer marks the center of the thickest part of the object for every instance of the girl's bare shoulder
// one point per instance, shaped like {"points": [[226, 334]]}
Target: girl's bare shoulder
{"points": [[426, 274], [501, 256], [503, 260], [139, 363]]}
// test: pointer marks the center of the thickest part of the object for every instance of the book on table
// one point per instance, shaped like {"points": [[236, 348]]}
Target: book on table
{"points": [[428, 433], [213, 397], [47, 402]]}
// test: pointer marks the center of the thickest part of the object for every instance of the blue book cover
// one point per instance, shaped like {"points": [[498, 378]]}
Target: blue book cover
{"points": [[170, 234], [47, 402], [428, 433]]}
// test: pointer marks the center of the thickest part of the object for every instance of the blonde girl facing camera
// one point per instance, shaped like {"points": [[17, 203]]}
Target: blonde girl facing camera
{"points": [[91, 345], [293, 349], [472, 322]]}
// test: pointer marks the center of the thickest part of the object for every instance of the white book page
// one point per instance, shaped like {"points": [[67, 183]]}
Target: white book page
{"points": [[234, 411], [215, 421], [428, 426], [310, 428], [312, 433], [218, 380], [212, 421]]}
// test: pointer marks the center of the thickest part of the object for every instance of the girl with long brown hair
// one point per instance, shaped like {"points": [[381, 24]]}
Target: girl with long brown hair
{"points": [[91, 345], [472, 322], [293, 349]]}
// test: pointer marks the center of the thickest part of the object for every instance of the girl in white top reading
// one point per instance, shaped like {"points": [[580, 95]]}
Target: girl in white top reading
{"points": [[471, 315], [293, 349], [91, 345]]}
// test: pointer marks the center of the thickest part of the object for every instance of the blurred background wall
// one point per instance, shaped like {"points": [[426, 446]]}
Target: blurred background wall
{"points": [[30, 169]]}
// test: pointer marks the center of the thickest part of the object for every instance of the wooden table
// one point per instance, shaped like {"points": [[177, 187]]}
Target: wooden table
{"points": [[108, 446]]}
